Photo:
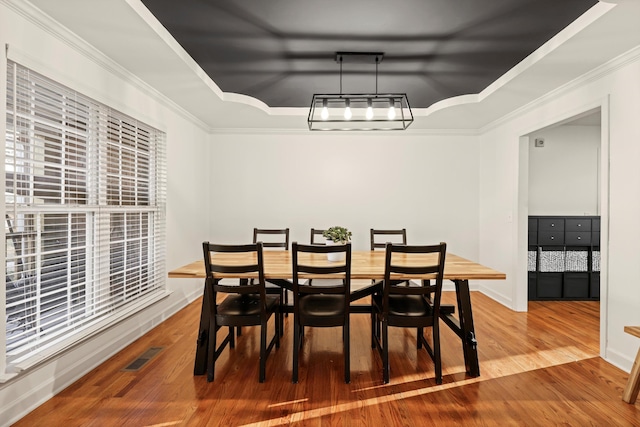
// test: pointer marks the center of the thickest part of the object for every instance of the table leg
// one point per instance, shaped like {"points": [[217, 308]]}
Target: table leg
{"points": [[467, 330], [202, 346], [633, 383]]}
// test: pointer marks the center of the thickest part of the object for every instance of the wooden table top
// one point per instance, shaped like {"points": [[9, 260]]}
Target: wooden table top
{"points": [[364, 265]]}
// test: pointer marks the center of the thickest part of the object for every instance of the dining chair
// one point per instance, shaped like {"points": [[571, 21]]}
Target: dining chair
{"points": [[325, 305], [274, 239], [398, 236], [316, 237], [399, 305], [389, 236], [245, 304]]}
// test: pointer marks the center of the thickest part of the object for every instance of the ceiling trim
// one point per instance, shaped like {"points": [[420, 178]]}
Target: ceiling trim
{"points": [[405, 133], [45, 22], [597, 73]]}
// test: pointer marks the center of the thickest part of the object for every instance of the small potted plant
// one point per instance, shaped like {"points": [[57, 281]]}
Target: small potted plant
{"points": [[336, 236]]}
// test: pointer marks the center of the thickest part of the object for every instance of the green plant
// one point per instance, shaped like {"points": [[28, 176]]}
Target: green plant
{"points": [[337, 234]]}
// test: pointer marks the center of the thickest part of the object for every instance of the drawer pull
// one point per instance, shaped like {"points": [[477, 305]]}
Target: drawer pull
{"points": [[552, 237], [579, 225], [579, 238], [553, 225]]}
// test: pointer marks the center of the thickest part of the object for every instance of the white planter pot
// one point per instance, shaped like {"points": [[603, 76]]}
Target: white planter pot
{"points": [[335, 257]]}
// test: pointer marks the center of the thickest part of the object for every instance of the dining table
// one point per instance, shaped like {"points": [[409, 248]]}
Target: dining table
{"points": [[367, 274]]}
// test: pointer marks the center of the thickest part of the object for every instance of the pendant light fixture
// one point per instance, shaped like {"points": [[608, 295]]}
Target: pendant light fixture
{"points": [[360, 111]]}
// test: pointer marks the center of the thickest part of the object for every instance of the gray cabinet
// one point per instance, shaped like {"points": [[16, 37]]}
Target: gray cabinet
{"points": [[564, 258]]}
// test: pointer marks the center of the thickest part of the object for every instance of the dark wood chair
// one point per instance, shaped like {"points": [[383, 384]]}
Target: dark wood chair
{"points": [[316, 237], [398, 237], [326, 305], [245, 304], [388, 236], [274, 239], [410, 306]]}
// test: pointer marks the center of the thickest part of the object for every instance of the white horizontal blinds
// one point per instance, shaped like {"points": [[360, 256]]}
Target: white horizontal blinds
{"points": [[85, 221]]}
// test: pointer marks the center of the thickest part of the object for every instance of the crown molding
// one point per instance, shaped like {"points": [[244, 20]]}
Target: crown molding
{"points": [[597, 73], [49, 25], [404, 133]]}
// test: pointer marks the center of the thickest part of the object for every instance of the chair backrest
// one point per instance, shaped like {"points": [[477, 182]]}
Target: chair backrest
{"points": [[316, 237], [272, 238], [380, 238], [312, 259], [226, 259], [403, 259]]}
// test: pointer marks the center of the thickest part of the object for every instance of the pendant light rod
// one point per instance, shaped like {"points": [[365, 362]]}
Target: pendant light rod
{"points": [[341, 75], [377, 62]]}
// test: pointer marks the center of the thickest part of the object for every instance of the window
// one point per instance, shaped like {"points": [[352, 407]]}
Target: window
{"points": [[85, 215]]}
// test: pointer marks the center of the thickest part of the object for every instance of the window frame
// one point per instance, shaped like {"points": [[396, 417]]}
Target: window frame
{"points": [[144, 198]]}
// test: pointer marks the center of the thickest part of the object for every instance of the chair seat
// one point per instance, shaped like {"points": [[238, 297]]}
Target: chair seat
{"points": [[245, 305], [406, 305], [320, 305]]}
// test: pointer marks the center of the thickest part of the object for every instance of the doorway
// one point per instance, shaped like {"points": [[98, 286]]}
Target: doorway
{"points": [[564, 172]]}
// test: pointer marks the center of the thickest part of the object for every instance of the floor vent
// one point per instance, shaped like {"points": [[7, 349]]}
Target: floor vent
{"points": [[143, 359]]}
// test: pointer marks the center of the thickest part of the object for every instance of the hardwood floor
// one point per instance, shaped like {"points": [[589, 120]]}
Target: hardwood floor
{"points": [[537, 368]]}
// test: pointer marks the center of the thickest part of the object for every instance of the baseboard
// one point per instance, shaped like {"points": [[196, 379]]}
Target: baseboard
{"points": [[618, 360]]}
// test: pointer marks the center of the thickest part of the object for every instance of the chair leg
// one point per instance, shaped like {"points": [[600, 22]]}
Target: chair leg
{"points": [[278, 325], [211, 353], [232, 343], [436, 352], [373, 327], [263, 350], [285, 299], [239, 331], [296, 349], [347, 349], [419, 334], [385, 352], [283, 313]]}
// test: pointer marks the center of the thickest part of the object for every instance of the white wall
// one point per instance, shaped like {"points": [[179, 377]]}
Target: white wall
{"points": [[187, 153], [424, 183], [503, 243], [564, 173]]}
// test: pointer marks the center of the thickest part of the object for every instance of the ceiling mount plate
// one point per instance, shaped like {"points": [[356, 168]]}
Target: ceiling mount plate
{"points": [[359, 57]]}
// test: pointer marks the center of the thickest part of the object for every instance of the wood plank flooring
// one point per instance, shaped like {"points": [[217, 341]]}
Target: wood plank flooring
{"points": [[539, 368]]}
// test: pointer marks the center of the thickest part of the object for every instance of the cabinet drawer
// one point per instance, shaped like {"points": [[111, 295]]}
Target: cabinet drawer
{"points": [[595, 224], [578, 224], [532, 286], [595, 238], [533, 238], [576, 285], [577, 238], [551, 238], [549, 285], [533, 224], [594, 286], [551, 224]]}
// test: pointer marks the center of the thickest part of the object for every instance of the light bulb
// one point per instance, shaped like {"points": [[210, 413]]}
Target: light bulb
{"points": [[392, 110], [369, 114], [325, 111], [392, 113], [347, 110]]}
